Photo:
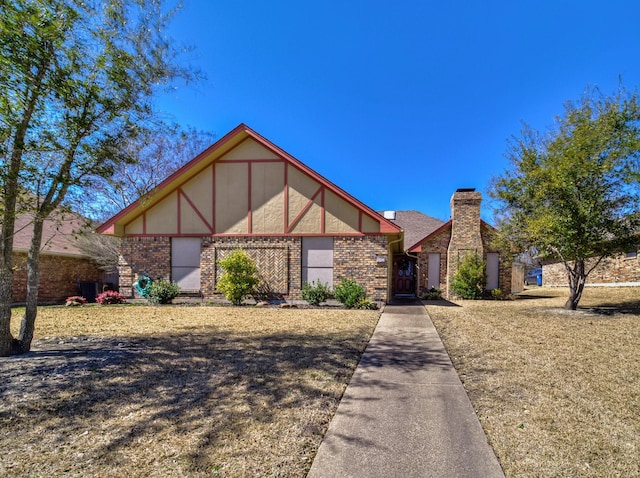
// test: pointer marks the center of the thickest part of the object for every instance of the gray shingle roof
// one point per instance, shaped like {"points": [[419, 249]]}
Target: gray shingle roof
{"points": [[416, 226]]}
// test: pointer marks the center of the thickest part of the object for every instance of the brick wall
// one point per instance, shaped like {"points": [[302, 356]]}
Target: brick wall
{"points": [[279, 262], [149, 256], [465, 231], [437, 244], [365, 259], [619, 269], [505, 273], [59, 276]]}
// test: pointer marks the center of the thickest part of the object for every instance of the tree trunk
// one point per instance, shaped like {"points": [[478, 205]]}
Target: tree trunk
{"points": [[9, 191], [577, 279], [6, 298], [27, 325]]}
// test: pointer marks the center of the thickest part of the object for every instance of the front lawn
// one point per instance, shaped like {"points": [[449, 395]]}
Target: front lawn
{"points": [[557, 392], [176, 391]]}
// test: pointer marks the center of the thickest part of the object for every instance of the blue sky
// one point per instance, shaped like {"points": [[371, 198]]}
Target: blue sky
{"points": [[399, 103]]}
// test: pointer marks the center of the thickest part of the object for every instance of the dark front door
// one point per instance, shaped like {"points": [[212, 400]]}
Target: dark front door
{"points": [[404, 275]]}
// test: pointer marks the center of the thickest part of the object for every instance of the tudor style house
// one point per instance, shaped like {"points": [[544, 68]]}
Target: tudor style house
{"points": [[244, 191]]}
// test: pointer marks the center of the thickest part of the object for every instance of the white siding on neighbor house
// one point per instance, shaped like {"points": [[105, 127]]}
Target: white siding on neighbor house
{"points": [[317, 260], [185, 262], [493, 270]]}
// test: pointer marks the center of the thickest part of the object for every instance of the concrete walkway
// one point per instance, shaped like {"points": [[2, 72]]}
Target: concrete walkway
{"points": [[405, 412]]}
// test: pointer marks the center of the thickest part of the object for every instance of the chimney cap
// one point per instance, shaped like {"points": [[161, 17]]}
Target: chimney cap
{"points": [[465, 190]]}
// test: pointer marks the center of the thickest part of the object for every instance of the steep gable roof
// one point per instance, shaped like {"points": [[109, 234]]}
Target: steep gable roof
{"points": [[417, 246], [227, 148]]}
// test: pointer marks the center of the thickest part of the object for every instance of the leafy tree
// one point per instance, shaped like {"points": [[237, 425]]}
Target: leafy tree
{"points": [[572, 193], [470, 278], [157, 153], [76, 81], [239, 278]]}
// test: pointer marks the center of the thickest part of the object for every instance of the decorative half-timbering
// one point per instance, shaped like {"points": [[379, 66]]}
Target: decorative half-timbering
{"points": [[246, 192]]}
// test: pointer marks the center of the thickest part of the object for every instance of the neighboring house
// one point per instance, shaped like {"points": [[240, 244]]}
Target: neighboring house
{"points": [[63, 266], [620, 270], [244, 191]]}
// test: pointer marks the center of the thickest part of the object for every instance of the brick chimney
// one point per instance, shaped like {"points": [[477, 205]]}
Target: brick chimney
{"points": [[465, 229]]}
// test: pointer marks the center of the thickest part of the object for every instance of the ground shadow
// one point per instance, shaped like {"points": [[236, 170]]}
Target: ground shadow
{"points": [[207, 381], [631, 307], [440, 303]]}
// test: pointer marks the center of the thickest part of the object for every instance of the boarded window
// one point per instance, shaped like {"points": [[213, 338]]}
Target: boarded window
{"points": [[493, 270], [185, 262], [317, 260], [433, 279]]}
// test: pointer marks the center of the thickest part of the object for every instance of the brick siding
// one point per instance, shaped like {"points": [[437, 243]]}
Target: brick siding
{"points": [[465, 233], [59, 277], [278, 259], [437, 244], [365, 259], [618, 269], [149, 256]]}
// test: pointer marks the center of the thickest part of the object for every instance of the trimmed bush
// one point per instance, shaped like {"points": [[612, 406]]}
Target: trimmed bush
{"points": [[240, 276], [315, 293], [162, 291], [432, 294], [110, 297], [470, 279], [349, 293]]}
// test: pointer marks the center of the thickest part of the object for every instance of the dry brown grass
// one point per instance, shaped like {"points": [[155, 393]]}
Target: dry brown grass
{"points": [[557, 392], [176, 391]]}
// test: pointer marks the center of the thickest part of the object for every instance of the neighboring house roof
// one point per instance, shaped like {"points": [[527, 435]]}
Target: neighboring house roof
{"points": [[58, 236], [183, 193], [416, 226]]}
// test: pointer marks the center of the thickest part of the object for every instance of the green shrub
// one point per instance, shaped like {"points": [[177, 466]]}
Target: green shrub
{"points": [[432, 294], [240, 276], [470, 279], [315, 293], [365, 304], [497, 294], [349, 293], [162, 291]]}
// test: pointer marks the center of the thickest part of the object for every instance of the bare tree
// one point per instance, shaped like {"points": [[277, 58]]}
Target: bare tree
{"points": [[76, 81]]}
